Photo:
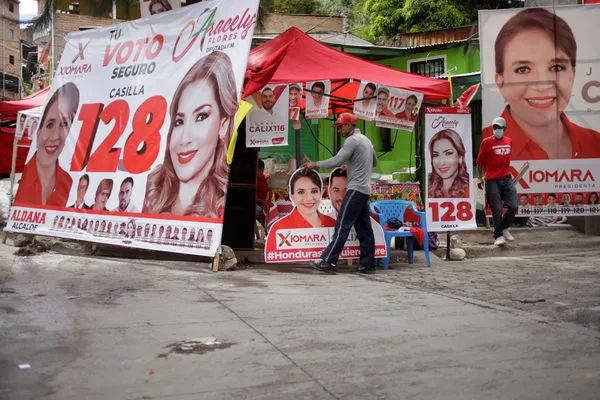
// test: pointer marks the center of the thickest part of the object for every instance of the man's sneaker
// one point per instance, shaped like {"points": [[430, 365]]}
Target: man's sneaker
{"points": [[500, 241], [363, 270], [324, 266], [508, 236]]}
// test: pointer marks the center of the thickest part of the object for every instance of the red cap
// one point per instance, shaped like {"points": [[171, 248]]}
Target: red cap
{"points": [[346, 118]]}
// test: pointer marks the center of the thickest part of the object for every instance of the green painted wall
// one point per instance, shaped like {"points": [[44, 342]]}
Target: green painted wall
{"points": [[456, 60]]}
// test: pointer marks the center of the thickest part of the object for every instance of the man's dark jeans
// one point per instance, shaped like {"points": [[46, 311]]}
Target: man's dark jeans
{"points": [[498, 191], [354, 211]]}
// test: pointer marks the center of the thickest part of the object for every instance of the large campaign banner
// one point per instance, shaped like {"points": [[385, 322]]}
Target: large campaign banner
{"points": [[541, 71], [131, 146], [397, 108], [303, 234], [267, 121], [450, 194]]}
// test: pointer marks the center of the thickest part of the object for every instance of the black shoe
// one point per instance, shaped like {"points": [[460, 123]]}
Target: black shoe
{"points": [[361, 269], [324, 266]]}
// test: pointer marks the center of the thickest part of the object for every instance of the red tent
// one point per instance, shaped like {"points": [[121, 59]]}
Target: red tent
{"points": [[294, 56], [12, 107]]}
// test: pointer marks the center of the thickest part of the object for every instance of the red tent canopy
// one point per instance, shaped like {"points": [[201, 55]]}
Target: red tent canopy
{"points": [[12, 107], [294, 56]]}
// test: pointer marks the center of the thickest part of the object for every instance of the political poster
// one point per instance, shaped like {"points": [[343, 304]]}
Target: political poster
{"points": [[365, 104], [397, 108], [450, 193], [317, 99], [152, 7], [540, 70], [131, 146], [295, 101], [27, 125], [267, 121], [304, 233]]}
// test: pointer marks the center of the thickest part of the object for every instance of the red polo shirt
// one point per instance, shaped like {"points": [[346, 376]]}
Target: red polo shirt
{"points": [[585, 143], [494, 156], [30, 188]]}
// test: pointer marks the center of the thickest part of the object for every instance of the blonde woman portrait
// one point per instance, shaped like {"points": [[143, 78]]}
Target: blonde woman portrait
{"points": [[192, 180], [448, 177]]}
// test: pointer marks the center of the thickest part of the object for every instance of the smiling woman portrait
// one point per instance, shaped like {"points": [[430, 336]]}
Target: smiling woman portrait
{"points": [[43, 180], [448, 177], [535, 57], [192, 180]]}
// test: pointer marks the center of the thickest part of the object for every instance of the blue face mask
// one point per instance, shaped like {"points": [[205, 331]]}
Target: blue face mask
{"points": [[498, 133]]}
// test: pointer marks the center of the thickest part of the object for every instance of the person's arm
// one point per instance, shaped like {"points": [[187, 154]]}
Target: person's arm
{"points": [[341, 157], [481, 160], [375, 161]]}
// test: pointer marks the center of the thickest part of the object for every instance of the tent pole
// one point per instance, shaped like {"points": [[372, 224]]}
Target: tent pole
{"points": [[13, 168], [298, 151]]}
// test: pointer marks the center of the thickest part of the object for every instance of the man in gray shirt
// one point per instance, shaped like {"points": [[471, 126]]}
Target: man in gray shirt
{"points": [[359, 155]]}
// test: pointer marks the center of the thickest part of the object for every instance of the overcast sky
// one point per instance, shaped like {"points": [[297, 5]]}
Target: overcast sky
{"points": [[28, 9]]}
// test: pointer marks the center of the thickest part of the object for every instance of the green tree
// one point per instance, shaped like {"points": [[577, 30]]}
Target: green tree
{"points": [[390, 17], [295, 6]]}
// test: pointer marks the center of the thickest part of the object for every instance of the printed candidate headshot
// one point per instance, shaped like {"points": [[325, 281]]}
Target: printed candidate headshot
{"points": [[534, 80], [449, 176], [192, 179]]}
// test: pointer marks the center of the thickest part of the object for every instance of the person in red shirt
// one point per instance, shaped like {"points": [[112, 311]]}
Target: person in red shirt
{"points": [[494, 159], [44, 181], [262, 190]]}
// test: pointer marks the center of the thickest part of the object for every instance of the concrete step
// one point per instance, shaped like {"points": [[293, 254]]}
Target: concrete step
{"points": [[528, 241]]}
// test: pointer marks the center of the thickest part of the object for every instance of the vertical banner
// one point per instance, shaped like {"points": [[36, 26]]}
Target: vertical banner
{"points": [[540, 70], [450, 194], [304, 233], [132, 143], [295, 103], [267, 121], [317, 99], [365, 103], [397, 108], [151, 7]]}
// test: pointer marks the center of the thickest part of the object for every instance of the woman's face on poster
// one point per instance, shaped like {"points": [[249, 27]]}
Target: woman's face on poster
{"points": [[52, 134], [156, 8], [367, 94], [294, 97], [197, 128], [538, 78], [445, 159], [130, 229], [306, 196], [410, 106]]}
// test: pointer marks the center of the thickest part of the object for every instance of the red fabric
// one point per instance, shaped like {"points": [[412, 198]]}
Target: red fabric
{"points": [[30, 188], [7, 136], [262, 189], [585, 143], [300, 58], [494, 156], [12, 107], [465, 98], [418, 233]]}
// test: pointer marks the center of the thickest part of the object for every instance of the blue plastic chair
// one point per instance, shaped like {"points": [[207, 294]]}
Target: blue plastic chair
{"points": [[386, 209]]}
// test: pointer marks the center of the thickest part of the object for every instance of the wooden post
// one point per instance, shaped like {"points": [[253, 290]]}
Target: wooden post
{"points": [[13, 169]]}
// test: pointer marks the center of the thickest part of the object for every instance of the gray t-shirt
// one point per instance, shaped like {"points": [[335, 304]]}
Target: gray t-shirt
{"points": [[358, 153]]}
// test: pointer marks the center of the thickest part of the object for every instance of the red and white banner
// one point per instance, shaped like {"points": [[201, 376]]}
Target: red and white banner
{"points": [[450, 194], [267, 121], [27, 125], [317, 99], [152, 7], [397, 108], [303, 234], [131, 147], [540, 70], [295, 101], [365, 104]]}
